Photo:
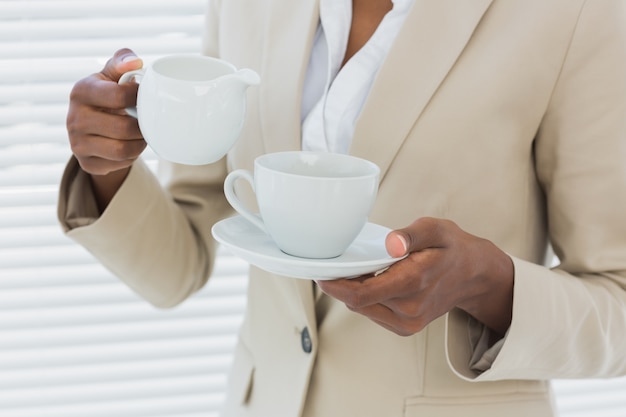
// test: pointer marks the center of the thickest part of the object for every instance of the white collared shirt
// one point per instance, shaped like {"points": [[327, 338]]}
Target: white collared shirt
{"points": [[333, 95]]}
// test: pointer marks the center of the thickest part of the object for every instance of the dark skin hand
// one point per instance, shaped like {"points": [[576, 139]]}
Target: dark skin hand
{"points": [[446, 268], [103, 138]]}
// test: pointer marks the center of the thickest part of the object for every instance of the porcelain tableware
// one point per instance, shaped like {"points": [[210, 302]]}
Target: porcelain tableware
{"points": [[312, 204], [366, 255], [191, 108]]}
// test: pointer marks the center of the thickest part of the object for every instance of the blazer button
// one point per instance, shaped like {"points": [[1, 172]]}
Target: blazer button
{"points": [[305, 340]]}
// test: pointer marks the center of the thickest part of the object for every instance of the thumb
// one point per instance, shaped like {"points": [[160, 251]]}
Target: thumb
{"points": [[423, 233], [123, 60], [396, 244]]}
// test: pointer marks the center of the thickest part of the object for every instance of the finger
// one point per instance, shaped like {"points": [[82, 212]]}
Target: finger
{"points": [[86, 120], [99, 166], [358, 293], [387, 326], [100, 92], [425, 232], [108, 149], [123, 60], [388, 319]]}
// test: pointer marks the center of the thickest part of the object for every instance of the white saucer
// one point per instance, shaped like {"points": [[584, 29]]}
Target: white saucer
{"points": [[366, 255]]}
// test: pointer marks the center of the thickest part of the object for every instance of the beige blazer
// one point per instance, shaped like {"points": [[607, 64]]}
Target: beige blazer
{"points": [[506, 116]]}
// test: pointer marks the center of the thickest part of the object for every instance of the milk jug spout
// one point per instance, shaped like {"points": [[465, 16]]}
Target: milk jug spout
{"points": [[243, 78], [248, 76]]}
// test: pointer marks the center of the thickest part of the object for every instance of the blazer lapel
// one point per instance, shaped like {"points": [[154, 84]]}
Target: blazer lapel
{"points": [[290, 33], [289, 38], [433, 36]]}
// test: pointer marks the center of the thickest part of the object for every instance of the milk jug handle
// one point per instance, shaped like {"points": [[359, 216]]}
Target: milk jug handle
{"points": [[126, 77]]}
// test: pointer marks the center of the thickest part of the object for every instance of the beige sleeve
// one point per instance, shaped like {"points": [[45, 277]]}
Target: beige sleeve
{"points": [[156, 237], [568, 322], [78, 206], [155, 234]]}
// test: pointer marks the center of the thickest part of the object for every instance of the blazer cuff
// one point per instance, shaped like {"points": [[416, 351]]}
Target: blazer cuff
{"points": [[120, 216], [468, 347], [76, 204], [507, 359]]}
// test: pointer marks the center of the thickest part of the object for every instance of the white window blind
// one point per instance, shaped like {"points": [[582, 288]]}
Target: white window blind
{"points": [[74, 341]]}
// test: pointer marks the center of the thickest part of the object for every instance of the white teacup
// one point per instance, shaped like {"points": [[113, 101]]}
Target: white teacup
{"points": [[191, 108], [312, 204]]}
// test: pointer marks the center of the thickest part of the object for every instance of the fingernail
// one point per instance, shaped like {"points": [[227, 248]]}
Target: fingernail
{"points": [[129, 58], [402, 240]]}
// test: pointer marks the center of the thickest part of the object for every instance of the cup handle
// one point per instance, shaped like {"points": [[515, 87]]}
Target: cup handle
{"points": [[126, 77], [229, 191]]}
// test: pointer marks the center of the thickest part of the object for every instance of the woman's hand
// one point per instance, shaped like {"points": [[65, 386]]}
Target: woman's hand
{"points": [[103, 138], [445, 268]]}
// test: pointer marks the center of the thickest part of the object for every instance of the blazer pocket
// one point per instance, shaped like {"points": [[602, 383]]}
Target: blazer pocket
{"points": [[241, 375], [510, 405]]}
